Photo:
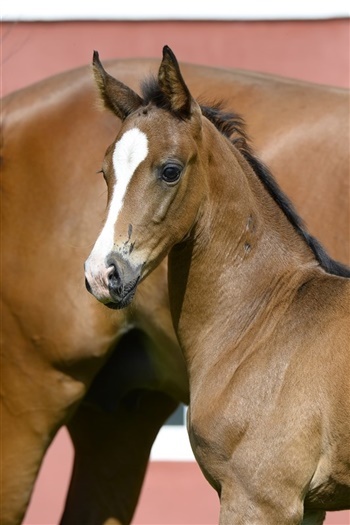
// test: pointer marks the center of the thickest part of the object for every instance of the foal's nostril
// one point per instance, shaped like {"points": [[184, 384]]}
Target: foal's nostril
{"points": [[88, 287], [113, 277]]}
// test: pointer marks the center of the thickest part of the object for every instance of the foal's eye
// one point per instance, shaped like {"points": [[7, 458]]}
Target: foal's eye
{"points": [[171, 173]]}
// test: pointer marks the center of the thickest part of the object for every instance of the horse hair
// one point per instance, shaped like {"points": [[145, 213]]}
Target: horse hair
{"points": [[232, 126]]}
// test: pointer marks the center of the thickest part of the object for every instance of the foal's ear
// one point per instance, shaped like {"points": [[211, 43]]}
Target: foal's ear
{"points": [[115, 95], [173, 86]]}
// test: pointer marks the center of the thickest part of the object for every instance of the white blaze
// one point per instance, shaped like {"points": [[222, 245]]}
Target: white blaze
{"points": [[128, 154]]}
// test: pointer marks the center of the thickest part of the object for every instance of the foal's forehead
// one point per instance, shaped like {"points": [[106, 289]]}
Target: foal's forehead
{"points": [[159, 122], [150, 133]]}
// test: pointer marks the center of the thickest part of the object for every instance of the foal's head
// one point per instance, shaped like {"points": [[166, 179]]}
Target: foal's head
{"points": [[153, 173]]}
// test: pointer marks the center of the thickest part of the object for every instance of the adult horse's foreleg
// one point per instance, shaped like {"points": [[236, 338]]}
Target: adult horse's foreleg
{"points": [[113, 431], [22, 450], [32, 409], [111, 456], [40, 390]]}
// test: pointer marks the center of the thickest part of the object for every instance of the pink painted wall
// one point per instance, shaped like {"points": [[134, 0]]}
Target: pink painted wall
{"points": [[173, 493], [312, 50], [316, 51]]}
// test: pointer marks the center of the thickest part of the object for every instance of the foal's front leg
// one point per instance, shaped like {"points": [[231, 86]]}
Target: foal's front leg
{"points": [[238, 509], [227, 517]]}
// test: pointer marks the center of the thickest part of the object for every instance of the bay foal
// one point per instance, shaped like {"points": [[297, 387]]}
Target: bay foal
{"points": [[260, 310]]}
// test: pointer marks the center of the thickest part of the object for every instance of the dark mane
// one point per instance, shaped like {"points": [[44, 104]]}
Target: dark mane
{"points": [[232, 126]]}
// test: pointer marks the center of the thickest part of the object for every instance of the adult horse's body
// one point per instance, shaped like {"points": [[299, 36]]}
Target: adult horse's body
{"points": [[56, 336], [260, 310]]}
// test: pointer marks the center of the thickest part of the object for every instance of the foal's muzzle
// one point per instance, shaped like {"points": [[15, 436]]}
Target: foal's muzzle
{"points": [[120, 279]]}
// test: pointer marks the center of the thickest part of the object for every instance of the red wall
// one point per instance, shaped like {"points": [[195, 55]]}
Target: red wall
{"points": [[312, 50]]}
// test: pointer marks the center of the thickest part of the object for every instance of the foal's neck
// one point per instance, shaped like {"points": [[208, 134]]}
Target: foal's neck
{"points": [[242, 257]]}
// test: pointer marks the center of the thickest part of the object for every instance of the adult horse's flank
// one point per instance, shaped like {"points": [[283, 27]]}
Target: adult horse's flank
{"points": [[56, 337], [260, 310]]}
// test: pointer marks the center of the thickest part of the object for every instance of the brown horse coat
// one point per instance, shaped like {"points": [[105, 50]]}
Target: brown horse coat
{"points": [[55, 337]]}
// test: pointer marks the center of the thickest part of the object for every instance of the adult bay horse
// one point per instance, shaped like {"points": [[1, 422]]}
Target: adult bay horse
{"points": [[56, 337], [260, 310]]}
